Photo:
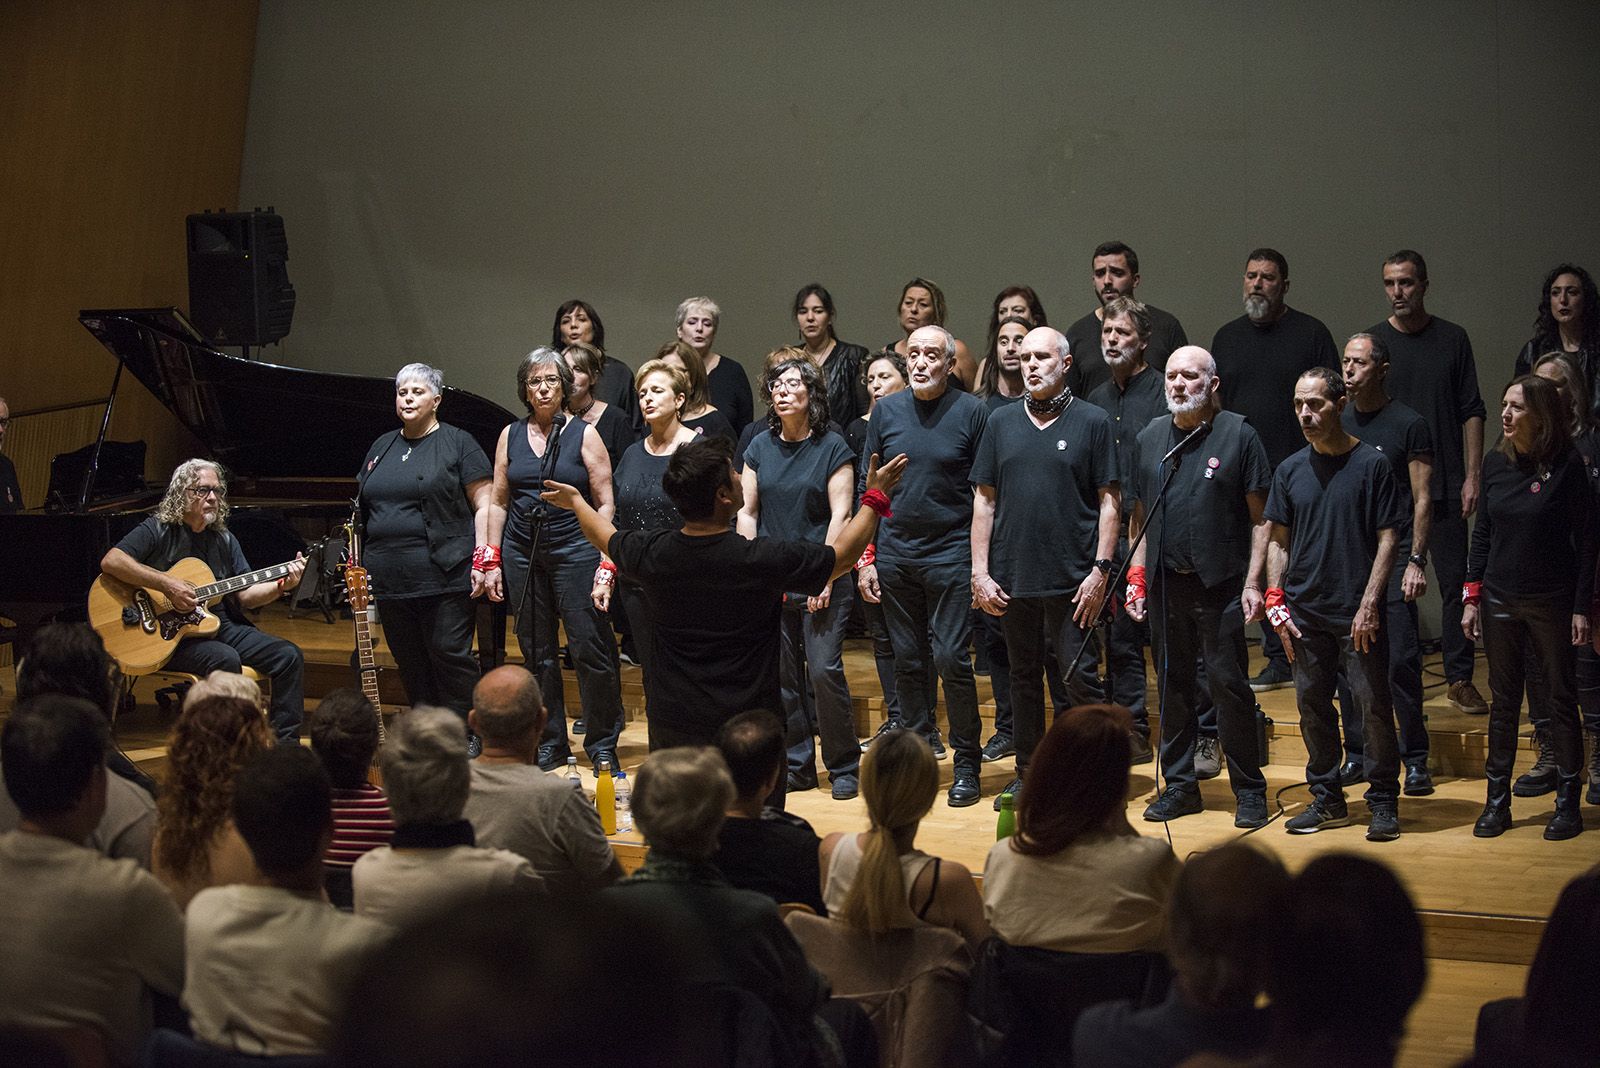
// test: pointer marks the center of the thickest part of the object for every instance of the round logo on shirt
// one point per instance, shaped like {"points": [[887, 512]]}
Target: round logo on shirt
{"points": [[1213, 463], [1061, 446], [1536, 487]]}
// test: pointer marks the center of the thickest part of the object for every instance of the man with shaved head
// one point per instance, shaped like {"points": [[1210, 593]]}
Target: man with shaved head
{"points": [[923, 555], [10, 489], [1198, 572], [515, 806], [1045, 512]]}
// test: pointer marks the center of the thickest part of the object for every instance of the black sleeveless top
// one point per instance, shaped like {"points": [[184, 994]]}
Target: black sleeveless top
{"points": [[525, 472]]}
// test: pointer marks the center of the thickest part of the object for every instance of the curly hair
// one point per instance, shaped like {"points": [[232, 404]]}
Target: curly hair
{"points": [[176, 502], [1544, 327], [210, 742], [816, 391]]}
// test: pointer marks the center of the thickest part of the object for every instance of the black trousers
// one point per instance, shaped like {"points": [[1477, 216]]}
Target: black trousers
{"points": [[1193, 624], [1448, 545], [237, 644], [1512, 631], [926, 607], [1405, 681], [1033, 624], [1320, 653], [431, 639]]}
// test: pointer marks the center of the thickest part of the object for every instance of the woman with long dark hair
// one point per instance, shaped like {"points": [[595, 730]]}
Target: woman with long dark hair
{"points": [[840, 361], [1530, 581], [1019, 302], [1568, 321], [578, 323]]}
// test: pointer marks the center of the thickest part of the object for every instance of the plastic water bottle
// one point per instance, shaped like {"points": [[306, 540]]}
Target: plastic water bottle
{"points": [[573, 775], [604, 798], [1006, 825], [624, 801]]}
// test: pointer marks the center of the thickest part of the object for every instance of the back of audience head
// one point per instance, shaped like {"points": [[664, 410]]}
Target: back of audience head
{"points": [[425, 767], [1567, 963], [899, 779], [1077, 782], [1221, 924], [226, 684], [344, 736], [508, 710], [1348, 961], [679, 801], [752, 745], [53, 751], [69, 659], [283, 808], [211, 740]]}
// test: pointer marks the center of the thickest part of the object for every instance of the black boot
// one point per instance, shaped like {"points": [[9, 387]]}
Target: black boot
{"points": [[1567, 821], [1541, 778], [1496, 818]]}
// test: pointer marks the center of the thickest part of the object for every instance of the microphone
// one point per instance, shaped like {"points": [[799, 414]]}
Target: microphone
{"points": [[1176, 449], [558, 421]]}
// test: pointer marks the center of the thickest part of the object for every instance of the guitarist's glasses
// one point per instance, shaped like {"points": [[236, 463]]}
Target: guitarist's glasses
{"points": [[199, 492]]}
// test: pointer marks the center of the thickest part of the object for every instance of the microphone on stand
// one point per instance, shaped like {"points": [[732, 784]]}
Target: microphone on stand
{"points": [[1176, 449]]}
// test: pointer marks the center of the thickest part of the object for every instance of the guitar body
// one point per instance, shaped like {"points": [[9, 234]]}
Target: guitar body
{"points": [[139, 626]]}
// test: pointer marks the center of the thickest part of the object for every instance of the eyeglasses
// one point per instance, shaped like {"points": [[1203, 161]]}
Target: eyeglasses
{"points": [[202, 492], [788, 385], [545, 380]]}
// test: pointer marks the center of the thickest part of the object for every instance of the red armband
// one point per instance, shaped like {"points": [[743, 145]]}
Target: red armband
{"points": [[1471, 593], [1136, 586], [878, 501], [1277, 609], [607, 565], [869, 556], [486, 558]]}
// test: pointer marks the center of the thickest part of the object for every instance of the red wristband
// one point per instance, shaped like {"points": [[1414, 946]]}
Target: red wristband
{"points": [[1471, 593], [878, 501], [869, 556], [607, 565], [1274, 598], [1136, 585], [486, 557]]}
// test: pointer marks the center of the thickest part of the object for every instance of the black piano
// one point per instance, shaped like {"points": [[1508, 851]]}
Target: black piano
{"points": [[291, 439]]}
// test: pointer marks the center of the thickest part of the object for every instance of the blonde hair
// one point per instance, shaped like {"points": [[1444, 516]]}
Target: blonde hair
{"points": [[175, 504], [697, 385], [899, 779], [676, 375], [679, 798]]}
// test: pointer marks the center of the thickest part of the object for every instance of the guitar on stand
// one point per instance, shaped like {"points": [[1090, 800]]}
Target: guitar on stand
{"points": [[358, 589]]}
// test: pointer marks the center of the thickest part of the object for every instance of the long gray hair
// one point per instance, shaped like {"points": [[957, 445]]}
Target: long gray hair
{"points": [[176, 502]]}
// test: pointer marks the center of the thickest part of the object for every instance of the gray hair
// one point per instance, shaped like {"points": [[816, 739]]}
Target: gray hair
{"points": [[949, 340], [679, 798], [1132, 309], [425, 766], [431, 377], [176, 501], [544, 356], [705, 304], [226, 684]]}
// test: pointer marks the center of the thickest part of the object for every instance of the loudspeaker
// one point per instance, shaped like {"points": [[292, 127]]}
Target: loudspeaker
{"points": [[239, 291]]}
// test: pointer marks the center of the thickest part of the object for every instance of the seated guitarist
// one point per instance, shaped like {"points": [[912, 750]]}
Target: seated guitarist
{"points": [[192, 521]]}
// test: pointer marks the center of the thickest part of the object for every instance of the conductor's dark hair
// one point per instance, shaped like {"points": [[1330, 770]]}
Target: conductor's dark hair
{"points": [[1413, 257], [694, 475], [752, 744], [558, 342], [68, 659], [50, 749], [1116, 248], [1332, 381], [344, 736], [1273, 256], [282, 806]]}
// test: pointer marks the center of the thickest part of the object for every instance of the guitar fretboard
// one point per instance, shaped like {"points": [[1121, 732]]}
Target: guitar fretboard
{"points": [[369, 664], [239, 582]]}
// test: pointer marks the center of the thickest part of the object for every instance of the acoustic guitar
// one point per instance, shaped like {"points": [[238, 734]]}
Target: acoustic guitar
{"points": [[358, 588], [140, 627]]}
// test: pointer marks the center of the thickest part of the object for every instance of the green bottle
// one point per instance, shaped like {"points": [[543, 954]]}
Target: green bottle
{"points": [[1006, 825]]}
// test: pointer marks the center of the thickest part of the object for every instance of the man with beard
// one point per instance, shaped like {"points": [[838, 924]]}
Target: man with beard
{"points": [[192, 520], [1259, 356], [1045, 507], [1431, 368], [1207, 540], [1132, 397], [1336, 513], [1115, 269]]}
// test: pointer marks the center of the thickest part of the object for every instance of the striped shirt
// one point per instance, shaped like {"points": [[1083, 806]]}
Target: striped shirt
{"points": [[361, 821]]}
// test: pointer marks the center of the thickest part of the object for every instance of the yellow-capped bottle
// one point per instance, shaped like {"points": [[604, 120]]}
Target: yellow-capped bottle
{"points": [[605, 798]]}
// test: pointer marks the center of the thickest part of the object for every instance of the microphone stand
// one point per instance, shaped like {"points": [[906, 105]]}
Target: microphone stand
{"points": [[546, 470]]}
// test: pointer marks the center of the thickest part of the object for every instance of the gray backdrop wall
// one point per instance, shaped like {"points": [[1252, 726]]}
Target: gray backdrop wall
{"points": [[450, 172]]}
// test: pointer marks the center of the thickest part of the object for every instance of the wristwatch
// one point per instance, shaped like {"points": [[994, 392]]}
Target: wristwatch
{"points": [[1105, 566], [1419, 560]]}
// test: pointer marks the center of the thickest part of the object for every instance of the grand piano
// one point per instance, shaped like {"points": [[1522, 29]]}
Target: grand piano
{"points": [[290, 438]]}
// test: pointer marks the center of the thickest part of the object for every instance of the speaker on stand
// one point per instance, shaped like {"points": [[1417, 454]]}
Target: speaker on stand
{"points": [[239, 291]]}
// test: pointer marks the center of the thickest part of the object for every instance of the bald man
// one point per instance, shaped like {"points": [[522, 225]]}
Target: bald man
{"points": [[10, 489], [1045, 513]]}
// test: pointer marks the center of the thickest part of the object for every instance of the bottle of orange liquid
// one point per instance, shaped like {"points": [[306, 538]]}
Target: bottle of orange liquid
{"points": [[605, 798]]}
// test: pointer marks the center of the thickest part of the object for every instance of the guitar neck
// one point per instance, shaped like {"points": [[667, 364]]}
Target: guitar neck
{"points": [[240, 582], [368, 663]]}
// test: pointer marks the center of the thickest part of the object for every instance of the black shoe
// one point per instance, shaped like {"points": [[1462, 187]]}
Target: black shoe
{"points": [[1319, 817], [964, 791], [1250, 811], [1207, 757], [1000, 745], [609, 757], [552, 756], [888, 725], [1495, 820], [1384, 825], [1139, 751], [845, 787], [1272, 677], [1541, 778], [798, 783], [1567, 821], [474, 745], [578, 726], [1174, 801], [936, 743], [1418, 782], [1351, 772], [1014, 788], [627, 654]]}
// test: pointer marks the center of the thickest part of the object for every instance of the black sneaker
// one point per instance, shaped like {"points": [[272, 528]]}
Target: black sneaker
{"points": [[1384, 826], [1419, 783], [609, 757], [1014, 788], [577, 726], [798, 783], [1272, 677], [845, 787], [1207, 757], [552, 756], [888, 725], [1139, 751], [964, 791], [474, 745], [1351, 772], [1250, 811], [936, 743], [1318, 817], [1174, 801], [1000, 745]]}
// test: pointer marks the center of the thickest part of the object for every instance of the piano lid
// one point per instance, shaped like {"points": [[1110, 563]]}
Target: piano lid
{"points": [[260, 419]]}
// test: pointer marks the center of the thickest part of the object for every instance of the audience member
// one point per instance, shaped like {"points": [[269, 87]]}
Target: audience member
{"points": [[266, 963], [434, 857], [1074, 843], [10, 488], [344, 736], [69, 660], [196, 845], [226, 684], [86, 937], [1220, 927], [514, 806], [761, 848], [879, 880]]}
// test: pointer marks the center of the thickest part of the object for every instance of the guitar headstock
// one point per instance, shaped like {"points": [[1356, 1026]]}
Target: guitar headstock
{"points": [[357, 587]]}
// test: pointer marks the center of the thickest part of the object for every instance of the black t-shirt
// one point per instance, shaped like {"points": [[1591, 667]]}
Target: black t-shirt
{"points": [[1534, 538], [615, 387], [715, 603], [995, 401], [855, 435], [1402, 436], [402, 492], [1433, 372], [714, 424], [1130, 410], [1089, 370], [616, 432], [10, 488], [1334, 507], [636, 484], [730, 394], [932, 521], [792, 483], [1047, 496], [1259, 365], [759, 426], [160, 545], [775, 855]]}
